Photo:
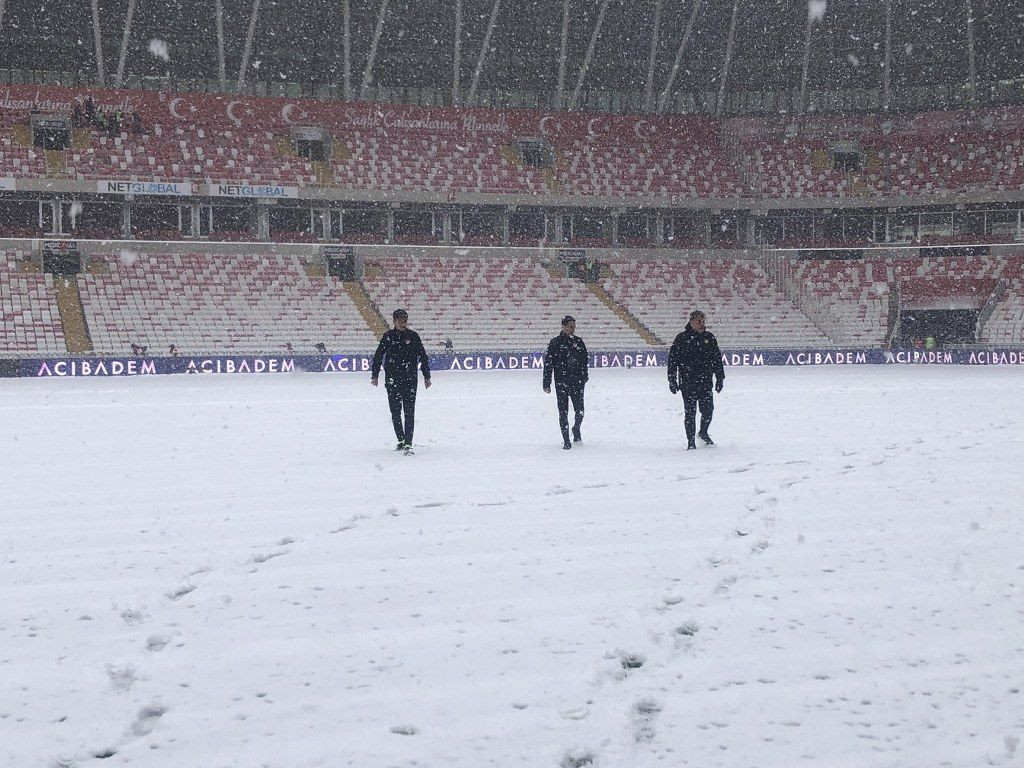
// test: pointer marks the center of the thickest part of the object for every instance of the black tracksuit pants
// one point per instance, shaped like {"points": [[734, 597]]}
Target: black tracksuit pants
{"points": [[563, 394], [402, 396], [691, 400]]}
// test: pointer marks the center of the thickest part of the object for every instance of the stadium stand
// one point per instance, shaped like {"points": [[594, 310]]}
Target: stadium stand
{"points": [[492, 304], [29, 318], [227, 303], [744, 306]]}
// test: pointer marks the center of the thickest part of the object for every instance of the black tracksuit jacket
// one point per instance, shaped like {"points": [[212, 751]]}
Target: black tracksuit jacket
{"points": [[692, 361], [567, 360], [400, 352]]}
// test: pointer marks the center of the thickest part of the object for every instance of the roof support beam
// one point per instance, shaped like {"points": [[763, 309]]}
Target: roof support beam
{"points": [[346, 31], [364, 87], [471, 99], [124, 44], [589, 55], [728, 58], [649, 85], [98, 38], [887, 63], [457, 57], [972, 72], [249, 35], [801, 103], [663, 99], [560, 88], [221, 70]]}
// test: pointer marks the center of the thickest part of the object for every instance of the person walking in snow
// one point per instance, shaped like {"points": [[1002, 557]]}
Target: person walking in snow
{"points": [[399, 351], [567, 361], [692, 361]]}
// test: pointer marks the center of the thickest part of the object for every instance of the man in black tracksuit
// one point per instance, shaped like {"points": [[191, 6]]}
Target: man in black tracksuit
{"points": [[692, 361], [400, 350], [568, 360]]}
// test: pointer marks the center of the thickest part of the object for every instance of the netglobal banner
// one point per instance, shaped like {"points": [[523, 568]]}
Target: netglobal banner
{"points": [[342, 364]]}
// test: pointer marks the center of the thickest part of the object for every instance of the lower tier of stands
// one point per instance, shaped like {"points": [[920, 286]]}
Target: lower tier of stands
{"points": [[243, 303]]}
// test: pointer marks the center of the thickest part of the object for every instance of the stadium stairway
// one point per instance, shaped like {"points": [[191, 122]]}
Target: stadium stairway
{"points": [[371, 314], [72, 316], [627, 317]]}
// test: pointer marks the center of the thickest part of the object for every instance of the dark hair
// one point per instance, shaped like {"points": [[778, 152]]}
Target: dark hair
{"points": [[696, 313], [568, 319], [399, 314]]}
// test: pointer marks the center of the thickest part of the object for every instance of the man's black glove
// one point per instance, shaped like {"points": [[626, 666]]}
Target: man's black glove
{"points": [[672, 387], [719, 384]]}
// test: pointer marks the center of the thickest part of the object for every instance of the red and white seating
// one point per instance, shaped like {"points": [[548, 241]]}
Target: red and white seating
{"points": [[743, 305], [492, 304], [29, 317], [222, 304]]}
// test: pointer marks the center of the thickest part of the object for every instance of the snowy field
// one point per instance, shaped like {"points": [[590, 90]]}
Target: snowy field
{"points": [[209, 571]]}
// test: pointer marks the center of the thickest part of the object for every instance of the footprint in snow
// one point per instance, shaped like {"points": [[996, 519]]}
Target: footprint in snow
{"points": [[157, 643], [263, 557], [132, 617], [645, 712], [122, 678], [147, 720], [578, 759], [558, 490], [181, 591], [432, 504]]}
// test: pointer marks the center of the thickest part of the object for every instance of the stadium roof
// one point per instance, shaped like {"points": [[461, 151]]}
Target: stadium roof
{"points": [[825, 46]]}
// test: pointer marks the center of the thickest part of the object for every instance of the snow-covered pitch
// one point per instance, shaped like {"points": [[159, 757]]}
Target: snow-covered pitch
{"points": [[204, 571]]}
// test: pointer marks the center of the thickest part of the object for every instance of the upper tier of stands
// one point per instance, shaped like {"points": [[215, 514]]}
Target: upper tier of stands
{"points": [[627, 158]]}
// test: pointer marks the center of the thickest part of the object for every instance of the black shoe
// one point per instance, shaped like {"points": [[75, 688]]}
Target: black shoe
{"points": [[576, 436], [706, 438], [401, 446], [691, 446], [566, 445]]}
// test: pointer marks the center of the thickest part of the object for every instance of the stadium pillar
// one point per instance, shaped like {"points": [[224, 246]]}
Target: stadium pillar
{"points": [[506, 226], [471, 99], [126, 219], [728, 58], [1020, 224], [372, 57], [262, 221], [124, 44], [250, 33], [98, 37], [221, 70], [1, 14], [615, 227], [659, 228], [663, 99], [589, 54], [457, 56], [560, 89], [972, 73], [649, 84], [887, 65], [389, 224]]}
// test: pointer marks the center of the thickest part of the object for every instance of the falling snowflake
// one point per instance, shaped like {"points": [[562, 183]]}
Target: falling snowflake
{"points": [[816, 10], [128, 257], [159, 49]]}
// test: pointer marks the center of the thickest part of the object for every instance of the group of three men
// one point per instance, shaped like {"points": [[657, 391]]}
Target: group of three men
{"points": [[693, 361]]}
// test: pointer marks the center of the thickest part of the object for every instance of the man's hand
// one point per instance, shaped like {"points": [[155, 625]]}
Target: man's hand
{"points": [[672, 387], [374, 382], [719, 384], [547, 390], [426, 383]]}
